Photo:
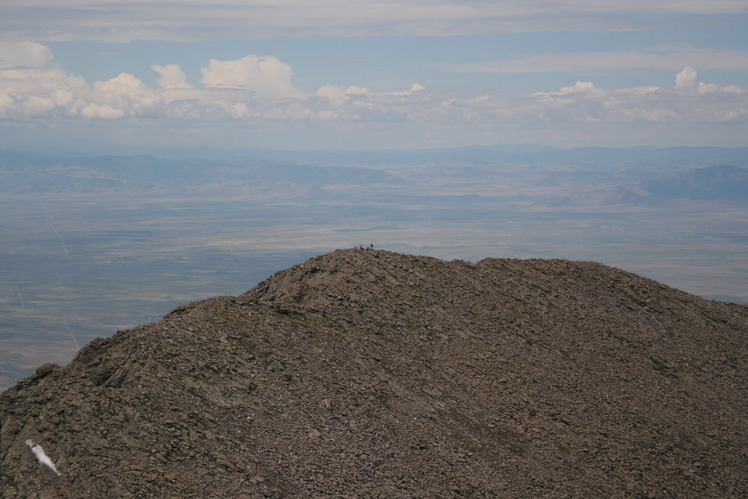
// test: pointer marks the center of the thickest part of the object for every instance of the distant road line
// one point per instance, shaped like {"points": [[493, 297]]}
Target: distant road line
{"points": [[20, 296], [49, 221]]}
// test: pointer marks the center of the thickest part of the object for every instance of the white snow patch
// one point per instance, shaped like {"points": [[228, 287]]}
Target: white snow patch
{"points": [[42, 456]]}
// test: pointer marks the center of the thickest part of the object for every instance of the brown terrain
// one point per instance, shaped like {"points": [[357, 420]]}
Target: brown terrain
{"points": [[366, 373]]}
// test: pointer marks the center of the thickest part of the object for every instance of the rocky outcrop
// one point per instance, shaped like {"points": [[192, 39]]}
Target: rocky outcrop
{"points": [[374, 374]]}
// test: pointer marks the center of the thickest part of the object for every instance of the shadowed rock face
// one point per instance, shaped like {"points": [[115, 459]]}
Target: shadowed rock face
{"points": [[370, 373]]}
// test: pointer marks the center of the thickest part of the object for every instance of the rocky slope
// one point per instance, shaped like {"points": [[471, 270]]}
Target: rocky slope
{"points": [[373, 374]]}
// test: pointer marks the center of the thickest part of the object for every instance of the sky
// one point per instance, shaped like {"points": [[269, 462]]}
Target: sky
{"points": [[357, 74]]}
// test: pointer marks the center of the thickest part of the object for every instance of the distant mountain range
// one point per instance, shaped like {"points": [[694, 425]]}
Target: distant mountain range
{"points": [[368, 373], [720, 182], [579, 176]]}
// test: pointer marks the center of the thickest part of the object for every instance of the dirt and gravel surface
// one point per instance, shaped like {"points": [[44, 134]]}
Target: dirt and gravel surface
{"points": [[366, 373]]}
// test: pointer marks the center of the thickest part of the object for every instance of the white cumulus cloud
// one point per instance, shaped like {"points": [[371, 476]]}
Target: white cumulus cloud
{"points": [[101, 111], [24, 55], [255, 91], [687, 101], [171, 76], [265, 75], [686, 78]]}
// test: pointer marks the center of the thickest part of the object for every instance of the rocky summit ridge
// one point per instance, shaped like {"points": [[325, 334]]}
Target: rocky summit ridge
{"points": [[366, 373]]}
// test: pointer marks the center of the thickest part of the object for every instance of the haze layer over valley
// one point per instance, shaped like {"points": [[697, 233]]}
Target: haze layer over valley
{"points": [[92, 244]]}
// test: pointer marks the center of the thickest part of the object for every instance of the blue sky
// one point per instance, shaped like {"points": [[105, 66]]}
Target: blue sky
{"points": [[296, 74]]}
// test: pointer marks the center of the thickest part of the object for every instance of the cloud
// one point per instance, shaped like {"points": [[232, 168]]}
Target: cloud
{"points": [[179, 20], [24, 55], [265, 75], [45, 92], [414, 88], [337, 95], [570, 106], [101, 111], [686, 78], [256, 92], [172, 76], [123, 95], [687, 101], [38, 106], [652, 58], [123, 84], [580, 87]]}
